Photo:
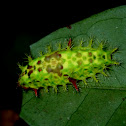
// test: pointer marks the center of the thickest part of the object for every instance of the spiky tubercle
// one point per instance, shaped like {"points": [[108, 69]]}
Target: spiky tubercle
{"points": [[60, 67]]}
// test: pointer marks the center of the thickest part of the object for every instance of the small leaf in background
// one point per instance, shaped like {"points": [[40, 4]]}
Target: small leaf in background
{"points": [[103, 104]]}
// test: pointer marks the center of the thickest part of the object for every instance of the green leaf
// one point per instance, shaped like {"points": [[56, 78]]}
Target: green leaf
{"points": [[102, 104]]}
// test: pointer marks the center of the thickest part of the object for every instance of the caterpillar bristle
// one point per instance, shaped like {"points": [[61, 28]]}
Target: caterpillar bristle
{"points": [[102, 72], [59, 45], [101, 46], [41, 53], [55, 88], [29, 58], [90, 43], [94, 77], [115, 49], [81, 44], [65, 87], [20, 66], [84, 81], [116, 63], [49, 49], [46, 89]]}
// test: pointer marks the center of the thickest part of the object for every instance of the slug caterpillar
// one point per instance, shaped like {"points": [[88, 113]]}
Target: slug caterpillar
{"points": [[65, 66]]}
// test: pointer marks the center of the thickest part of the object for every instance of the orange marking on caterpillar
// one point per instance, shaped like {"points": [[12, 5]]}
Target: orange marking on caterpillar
{"points": [[36, 92], [70, 43], [73, 81]]}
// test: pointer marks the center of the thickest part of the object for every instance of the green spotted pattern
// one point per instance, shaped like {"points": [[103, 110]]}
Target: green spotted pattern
{"points": [[56, 67]]}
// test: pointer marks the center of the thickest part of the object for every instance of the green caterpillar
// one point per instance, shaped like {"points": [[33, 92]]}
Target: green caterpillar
{"points": [[65, 66]]}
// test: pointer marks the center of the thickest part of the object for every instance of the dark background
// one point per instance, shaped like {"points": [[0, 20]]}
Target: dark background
{"points": [[24, 24]]}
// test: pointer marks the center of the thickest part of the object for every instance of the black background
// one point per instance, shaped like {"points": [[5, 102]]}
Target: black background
{"points": [[23, 24]]}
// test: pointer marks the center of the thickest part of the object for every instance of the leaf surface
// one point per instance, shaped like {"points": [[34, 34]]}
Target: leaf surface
{"points": [[101, 104]]}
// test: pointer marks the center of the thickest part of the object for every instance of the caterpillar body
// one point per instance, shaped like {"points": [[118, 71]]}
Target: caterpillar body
{"points": [[65, 66]]}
